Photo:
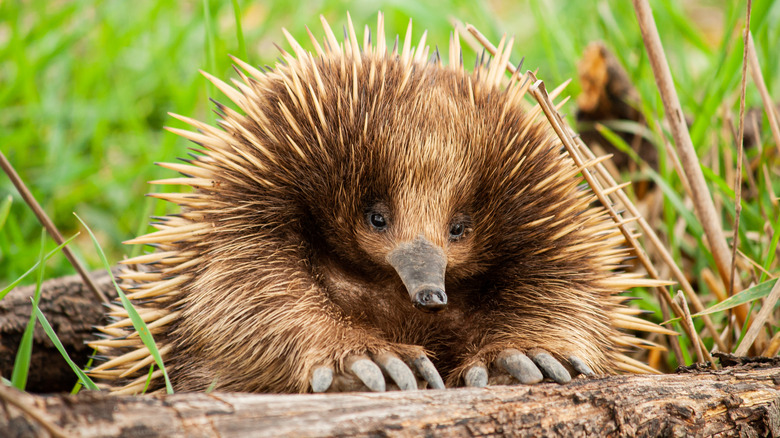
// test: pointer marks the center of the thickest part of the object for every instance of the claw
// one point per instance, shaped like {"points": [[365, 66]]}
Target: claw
{"points": [[551, 367], [397, 370], [476, 376], [428, 372], [519, 366], [580, 366], [368, 372], [321, 378]]}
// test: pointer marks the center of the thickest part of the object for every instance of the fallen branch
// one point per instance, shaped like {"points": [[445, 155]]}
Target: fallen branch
{"points": [[739, 400]]}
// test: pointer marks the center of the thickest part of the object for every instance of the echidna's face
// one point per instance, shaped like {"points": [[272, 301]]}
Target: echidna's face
{"points": [[416, 238], [398, 170], [401, 202], [410, 222]]}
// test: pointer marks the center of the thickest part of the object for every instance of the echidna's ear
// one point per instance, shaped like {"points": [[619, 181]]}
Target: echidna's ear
{"points": [[421, 266]]}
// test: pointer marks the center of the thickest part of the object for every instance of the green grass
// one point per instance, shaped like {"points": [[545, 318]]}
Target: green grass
{"points": [[87, 87], [23, 354], [89, 84]]}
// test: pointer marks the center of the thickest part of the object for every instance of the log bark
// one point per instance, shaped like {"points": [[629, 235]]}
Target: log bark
{"points": [[742, 400], [72, 309]]}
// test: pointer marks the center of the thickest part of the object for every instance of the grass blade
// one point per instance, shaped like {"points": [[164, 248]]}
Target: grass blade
{"points": [[138, 322], [674, 198], [211, 58], [49, 255], [77, 387], [618, 142], [5, 209], [85, 380], [148, 379], [239, 31], [212, 385], [770, 257], [24, 353], [746, 296]]}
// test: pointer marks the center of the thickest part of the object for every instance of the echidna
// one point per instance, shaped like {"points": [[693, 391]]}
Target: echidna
{"points": [[374, 217]]}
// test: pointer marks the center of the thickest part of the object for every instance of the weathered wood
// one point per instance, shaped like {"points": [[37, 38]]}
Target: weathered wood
{"points": [[72, 309], [737, 401], [609, 95], [743, 400]]}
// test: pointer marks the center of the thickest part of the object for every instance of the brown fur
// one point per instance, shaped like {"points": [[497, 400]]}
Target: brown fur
{"points": [[278, 271]]}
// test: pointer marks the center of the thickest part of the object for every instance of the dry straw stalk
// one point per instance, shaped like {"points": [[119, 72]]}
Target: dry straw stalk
{"points": [[702, 199], [49, 225]]}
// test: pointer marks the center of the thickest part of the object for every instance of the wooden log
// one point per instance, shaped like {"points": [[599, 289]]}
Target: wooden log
{"points": [[743, 400], [740, 400], [72, 309]]}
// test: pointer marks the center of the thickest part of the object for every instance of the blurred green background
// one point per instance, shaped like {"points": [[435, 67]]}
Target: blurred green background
{"points": [[85, 87]]}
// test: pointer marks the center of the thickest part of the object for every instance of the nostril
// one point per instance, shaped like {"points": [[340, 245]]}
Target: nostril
{"points": [[430, 299]]}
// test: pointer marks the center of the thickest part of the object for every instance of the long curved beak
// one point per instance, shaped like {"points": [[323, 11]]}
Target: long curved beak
{"points": [[421, 266]]}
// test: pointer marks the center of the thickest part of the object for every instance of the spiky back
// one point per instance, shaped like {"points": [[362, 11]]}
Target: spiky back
{"points": [[325, 133]]}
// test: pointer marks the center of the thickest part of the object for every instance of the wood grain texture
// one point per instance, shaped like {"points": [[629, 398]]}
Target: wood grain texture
{"points": [[743, 400]]}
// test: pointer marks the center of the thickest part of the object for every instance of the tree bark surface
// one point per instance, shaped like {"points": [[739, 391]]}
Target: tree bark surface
{"points": [[72, 309], [742, 400]]}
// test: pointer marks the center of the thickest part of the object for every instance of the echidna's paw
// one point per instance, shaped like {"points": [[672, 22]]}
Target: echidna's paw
{"points": [[374, 374], [526, 369]]}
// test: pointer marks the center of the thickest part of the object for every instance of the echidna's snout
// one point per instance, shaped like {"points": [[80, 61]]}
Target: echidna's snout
{"points": [[421, 265], [430, 300]]}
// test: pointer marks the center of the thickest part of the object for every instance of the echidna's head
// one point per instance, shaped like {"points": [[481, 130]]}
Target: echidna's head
{"points": [[385, 165], [403, 202], [397, 197]]}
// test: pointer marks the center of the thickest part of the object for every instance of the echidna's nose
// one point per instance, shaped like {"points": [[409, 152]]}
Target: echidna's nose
{"points": [[421, 266], [430, 299]]}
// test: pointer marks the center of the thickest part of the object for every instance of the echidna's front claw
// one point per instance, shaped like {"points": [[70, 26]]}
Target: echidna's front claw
{"points": [[364, 373], [321, 378], [476, 376], [512, 366], [550, 367], [428, 372], [397, 370], [519, 366], [580, 366], [368, 372]]}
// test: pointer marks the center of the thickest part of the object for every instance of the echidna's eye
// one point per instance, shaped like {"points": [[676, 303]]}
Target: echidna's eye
{"points": [[456, 231], [377, 221]]}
